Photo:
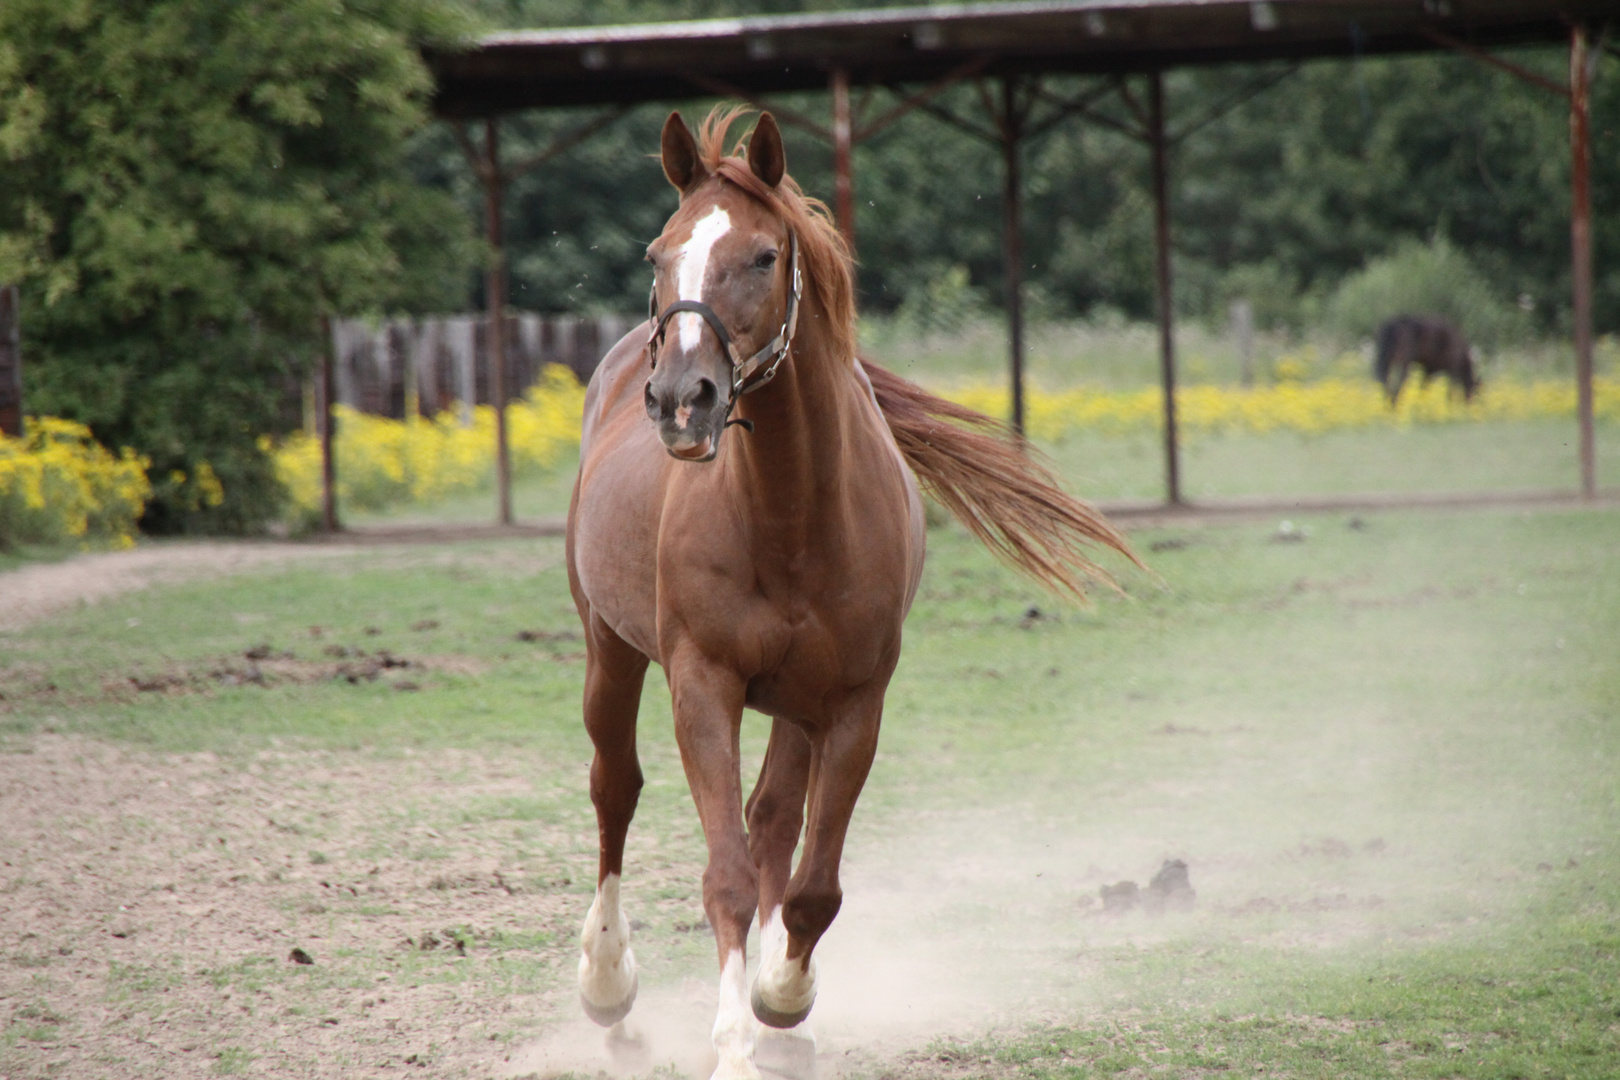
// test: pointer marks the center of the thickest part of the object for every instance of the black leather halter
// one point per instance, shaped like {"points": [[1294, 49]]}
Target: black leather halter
{"points": [[748, 374]]}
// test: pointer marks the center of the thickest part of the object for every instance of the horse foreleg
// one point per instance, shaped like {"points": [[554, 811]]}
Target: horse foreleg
{"points": [[708, 705], [613, 676], [1397, 375], [841, 756]]}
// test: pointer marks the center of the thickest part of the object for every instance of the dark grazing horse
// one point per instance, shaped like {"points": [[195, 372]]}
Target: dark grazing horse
{"points": [[1430, 342], [748, 517]]}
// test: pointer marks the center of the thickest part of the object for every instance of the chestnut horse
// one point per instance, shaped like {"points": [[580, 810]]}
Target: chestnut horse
{"points": [[769, 568]]}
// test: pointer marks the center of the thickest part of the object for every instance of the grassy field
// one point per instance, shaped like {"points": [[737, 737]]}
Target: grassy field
{"points": [[1480, 457], [1386, 751], [1120, 355]]}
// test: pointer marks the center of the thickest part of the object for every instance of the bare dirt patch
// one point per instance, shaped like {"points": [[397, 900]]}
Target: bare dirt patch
{"points": [[35, 592], [291, 914]]}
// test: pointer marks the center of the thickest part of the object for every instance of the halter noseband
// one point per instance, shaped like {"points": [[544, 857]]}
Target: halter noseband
{"points": [[762, 364]]}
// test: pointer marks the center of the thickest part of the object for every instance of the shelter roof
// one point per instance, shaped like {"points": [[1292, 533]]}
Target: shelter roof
{"points": [[627, 64]]}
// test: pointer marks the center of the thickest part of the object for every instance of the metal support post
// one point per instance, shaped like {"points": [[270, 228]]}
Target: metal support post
{"points": [[495, 310], [1580, 147], [326, 390], [1161, 243], [1012, 229], [842, 140]]}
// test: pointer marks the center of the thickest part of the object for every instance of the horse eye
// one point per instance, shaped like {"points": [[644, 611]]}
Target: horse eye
{"points": [[765, 261]]}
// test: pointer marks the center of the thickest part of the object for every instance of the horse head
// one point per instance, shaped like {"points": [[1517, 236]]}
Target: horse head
{"points": [[725, 289]]}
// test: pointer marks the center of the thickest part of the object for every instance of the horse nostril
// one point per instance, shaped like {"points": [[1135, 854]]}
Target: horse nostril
{"points": [[705, 396], [650, 399]]}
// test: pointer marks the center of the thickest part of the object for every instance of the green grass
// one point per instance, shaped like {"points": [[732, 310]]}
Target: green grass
{"points": [[1503, 457], [1125, 356], [1481, 457], [1366, 745]]}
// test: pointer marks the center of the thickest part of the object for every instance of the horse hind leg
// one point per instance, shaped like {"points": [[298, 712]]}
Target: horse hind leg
{"points": [[613, 676], [785, 988], [775, 815]]}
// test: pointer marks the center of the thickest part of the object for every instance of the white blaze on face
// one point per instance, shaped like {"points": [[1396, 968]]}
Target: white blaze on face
{"points": [[734, 1023], [692, 267], [607, 967], [787, 986]]}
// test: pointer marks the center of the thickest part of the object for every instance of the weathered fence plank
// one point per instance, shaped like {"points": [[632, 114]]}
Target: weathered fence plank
{"points": [[11, 399], [438, 363]]}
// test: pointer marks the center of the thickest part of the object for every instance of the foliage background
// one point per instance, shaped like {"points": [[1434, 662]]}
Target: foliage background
{"points": [[187, 187], [1337, 166]]}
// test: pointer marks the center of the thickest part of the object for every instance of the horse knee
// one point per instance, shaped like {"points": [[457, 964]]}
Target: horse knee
{"points": [[730, 894], [616, 785]]}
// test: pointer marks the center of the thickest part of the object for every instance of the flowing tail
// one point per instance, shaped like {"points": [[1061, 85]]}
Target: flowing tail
{"points": [[1006, 498]]}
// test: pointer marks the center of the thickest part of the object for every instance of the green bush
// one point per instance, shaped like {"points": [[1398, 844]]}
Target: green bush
{"points": [[1424, 279], [189, 186]]}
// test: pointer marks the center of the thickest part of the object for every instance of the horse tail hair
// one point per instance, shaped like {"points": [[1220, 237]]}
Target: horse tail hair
{"points": [[1005, 496]]}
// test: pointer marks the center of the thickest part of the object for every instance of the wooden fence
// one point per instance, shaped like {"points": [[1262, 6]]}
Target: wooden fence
{"points": [[379, 367], [11, 399]]}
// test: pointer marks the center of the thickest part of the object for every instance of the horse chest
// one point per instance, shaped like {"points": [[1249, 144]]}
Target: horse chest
{"points": [[812, 629]]}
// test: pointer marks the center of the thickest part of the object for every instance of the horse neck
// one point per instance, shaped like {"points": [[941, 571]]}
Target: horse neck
{"points": [[801, 418]]}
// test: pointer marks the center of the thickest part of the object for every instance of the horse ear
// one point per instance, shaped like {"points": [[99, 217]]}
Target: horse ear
{"points": [[765, 156], [682, 165]]}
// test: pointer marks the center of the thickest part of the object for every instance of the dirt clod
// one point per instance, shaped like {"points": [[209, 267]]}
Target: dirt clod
{"points": [[1170, 889], [1120, 897], [547, 635], [299, 956]]}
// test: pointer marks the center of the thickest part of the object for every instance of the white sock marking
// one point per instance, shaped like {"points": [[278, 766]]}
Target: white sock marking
{"points": [[785, 985], [607, 967], [693, 267], [734, 1023]]}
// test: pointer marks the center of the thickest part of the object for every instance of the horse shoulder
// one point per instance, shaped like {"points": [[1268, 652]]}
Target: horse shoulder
{"points": [[613, 522]]}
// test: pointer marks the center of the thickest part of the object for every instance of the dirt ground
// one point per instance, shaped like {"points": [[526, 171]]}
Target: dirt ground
{"points": [[43, 589], [122, 872]]}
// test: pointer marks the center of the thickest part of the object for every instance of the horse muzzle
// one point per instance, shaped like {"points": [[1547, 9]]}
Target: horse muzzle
{"points": [[690, 412]]}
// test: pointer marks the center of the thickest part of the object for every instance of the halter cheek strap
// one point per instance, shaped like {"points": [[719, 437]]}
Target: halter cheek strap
{"points": [[757, 370]]}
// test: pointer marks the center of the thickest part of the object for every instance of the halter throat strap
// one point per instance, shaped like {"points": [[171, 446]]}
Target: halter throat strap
{"points": [[749, 374]]}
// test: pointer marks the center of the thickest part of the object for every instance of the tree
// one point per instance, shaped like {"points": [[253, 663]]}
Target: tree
{"points": [[187, 188]]}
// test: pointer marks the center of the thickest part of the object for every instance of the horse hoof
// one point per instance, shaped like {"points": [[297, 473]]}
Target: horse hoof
{"points": [[608, 1015], [770, 1017], [627, 1049], [790, 1055]]}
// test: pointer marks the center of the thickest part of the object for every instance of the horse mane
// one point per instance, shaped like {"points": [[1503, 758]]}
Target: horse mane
{"points": [[828, 266]]}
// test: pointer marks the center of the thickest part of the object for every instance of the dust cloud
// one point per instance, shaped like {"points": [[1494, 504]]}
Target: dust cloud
{"points": [[959, 924]]}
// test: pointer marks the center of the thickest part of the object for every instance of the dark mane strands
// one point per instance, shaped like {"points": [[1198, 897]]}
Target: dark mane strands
{"points": [[966, 460]]}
